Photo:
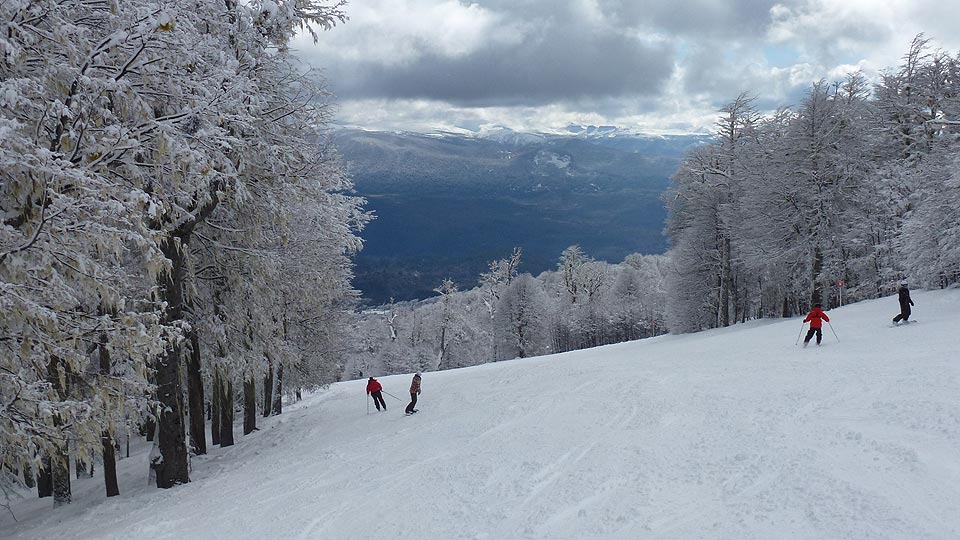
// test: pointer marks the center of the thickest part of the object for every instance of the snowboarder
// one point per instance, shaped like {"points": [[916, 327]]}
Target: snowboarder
{"points": [[374, 388], [815, 318], [414, 391], [905, 302]]}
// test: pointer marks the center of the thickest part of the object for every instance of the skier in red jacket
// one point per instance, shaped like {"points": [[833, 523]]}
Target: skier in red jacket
{"points": [[815, 318], [374, 388]]}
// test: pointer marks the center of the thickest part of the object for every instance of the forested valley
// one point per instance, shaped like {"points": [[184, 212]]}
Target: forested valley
{"points": [[835, 199]]}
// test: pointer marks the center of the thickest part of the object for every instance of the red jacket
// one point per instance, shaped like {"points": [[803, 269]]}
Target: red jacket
{"points": [[815, 316], [374, 386]]}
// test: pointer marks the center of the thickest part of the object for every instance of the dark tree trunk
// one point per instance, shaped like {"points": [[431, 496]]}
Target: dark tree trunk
{"points": [[149, 428], [215, 408], [226, 413], [45, 478], [60, 459], [198, 436], [109, 452], [172, 466], [816, 296], [109, 465], [29, 479], [249, 405], [60, 465], [268, 388], [80, 467], [278, 392]]}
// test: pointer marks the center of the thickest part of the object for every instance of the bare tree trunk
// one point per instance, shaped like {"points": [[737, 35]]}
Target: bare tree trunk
{"points": [[249, 405], [278, 393], [816, 295], [215, 407], [172, 464], [45, 478], [60, 465], [726, 283], [60, 458], [109, 465], [226, 413], [268, 388], [29, 479], [149, 428], [198, 436], [109, 450]]}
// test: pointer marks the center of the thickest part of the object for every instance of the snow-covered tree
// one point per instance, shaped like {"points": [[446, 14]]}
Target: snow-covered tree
{"points": [[848, 188], [149, 159], [520, 319]]}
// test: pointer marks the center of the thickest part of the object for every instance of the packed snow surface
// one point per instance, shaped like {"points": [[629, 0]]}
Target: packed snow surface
{"points": [[727, 434]]}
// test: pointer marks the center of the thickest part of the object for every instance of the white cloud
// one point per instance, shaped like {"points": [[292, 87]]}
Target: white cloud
{"points": [[532, 64], [390, 32]]}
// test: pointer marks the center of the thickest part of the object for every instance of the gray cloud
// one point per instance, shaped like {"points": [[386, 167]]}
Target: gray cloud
{"points": [[714, 19], [643, 63], [559, 65]]}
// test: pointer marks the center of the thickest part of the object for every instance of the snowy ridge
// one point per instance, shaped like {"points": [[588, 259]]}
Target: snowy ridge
{"points": [[511, 137], [728, 434]]}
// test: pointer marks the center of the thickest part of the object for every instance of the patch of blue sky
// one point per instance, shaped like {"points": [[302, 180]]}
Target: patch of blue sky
{"points": [[780, 56]]}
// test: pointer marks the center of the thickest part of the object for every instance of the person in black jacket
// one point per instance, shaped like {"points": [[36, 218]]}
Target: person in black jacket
{"points": [[905, 302]]}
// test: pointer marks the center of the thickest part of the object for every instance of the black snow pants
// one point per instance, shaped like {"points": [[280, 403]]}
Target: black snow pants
{"points": [[413, 403], [378, 400], [810, 333], [904, 313]]}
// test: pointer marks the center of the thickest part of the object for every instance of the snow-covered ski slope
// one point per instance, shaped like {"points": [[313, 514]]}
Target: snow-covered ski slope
{"points": [[728, 434]]}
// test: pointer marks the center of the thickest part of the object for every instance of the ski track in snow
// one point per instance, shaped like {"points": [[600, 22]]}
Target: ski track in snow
{"points": [[728, 434]]}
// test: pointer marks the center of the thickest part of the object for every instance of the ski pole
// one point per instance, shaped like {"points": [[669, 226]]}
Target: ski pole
{"points": [[834, 331], [368, 403], [800, 334], [391, 395]]}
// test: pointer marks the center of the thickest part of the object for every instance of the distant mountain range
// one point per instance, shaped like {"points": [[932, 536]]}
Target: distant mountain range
{"points": [[448, 203]]}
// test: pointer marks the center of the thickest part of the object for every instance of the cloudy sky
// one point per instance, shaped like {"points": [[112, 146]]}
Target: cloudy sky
{"points": [[656, 66]]}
